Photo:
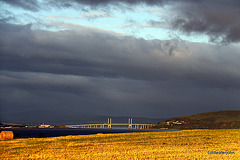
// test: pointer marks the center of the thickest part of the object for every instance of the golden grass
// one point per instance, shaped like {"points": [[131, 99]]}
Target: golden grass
{"points": [[188, 144]]}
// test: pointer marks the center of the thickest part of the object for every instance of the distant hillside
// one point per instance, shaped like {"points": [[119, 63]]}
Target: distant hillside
{"points": [[209, 120], [2, 124]]}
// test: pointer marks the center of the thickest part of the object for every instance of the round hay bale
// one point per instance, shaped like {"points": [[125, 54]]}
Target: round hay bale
{"points": [[99, 133], [6, 135]]}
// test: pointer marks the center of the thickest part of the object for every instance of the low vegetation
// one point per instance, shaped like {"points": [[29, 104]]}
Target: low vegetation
{"points": [[186, 144], [209, 120]]}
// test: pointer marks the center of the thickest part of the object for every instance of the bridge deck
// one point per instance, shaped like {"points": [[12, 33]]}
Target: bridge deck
{"points": [[110, 124], [113, 124]]}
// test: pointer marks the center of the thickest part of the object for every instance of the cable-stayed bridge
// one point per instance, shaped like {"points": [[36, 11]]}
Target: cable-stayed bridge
{"points": [[109, 125]]}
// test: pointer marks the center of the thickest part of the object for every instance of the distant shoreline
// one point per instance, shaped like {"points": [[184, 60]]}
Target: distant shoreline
{"points": [[56, 132]]}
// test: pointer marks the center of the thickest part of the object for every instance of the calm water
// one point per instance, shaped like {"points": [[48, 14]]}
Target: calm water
{"points": [[53, 132]]}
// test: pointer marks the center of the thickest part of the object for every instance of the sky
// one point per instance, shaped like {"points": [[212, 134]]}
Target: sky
{"points": [[135, 58]]}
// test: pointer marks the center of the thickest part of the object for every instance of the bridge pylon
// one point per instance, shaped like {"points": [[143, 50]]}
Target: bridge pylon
{"points": [[109, 123], [129, 123]]}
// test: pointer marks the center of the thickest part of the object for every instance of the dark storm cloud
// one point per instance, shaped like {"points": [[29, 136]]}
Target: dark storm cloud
{"points": [[218, 19], [89, 52], [90, 70]]}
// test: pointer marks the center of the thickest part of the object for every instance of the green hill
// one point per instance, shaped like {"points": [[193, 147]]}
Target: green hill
{"points": [[210, 120], [2, 124]]}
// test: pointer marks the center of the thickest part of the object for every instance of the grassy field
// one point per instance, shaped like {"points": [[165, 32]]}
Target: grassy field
{"points": [[188, 144]]}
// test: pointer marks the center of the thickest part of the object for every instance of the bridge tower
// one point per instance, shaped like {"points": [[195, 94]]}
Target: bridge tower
{"points": [[129, 123], [109, 123]]}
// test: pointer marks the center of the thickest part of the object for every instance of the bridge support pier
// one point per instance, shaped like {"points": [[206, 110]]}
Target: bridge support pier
{"points": [[109, 123], [130, 123]]}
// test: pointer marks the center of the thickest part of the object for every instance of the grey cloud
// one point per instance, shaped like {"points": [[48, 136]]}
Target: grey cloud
{"points": [[158, 24], [47, 82], [105, 2], [219, 19], [35, 5], [32, 5], [90, 70], [92, 16], [6, 16], [94, 53]]}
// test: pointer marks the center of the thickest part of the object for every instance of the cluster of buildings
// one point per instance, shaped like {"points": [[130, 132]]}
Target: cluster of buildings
{"points": [[46, 126], [175, 122]]}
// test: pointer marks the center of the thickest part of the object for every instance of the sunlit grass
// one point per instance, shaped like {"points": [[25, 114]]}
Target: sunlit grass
{"points": [[188, 144]]}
